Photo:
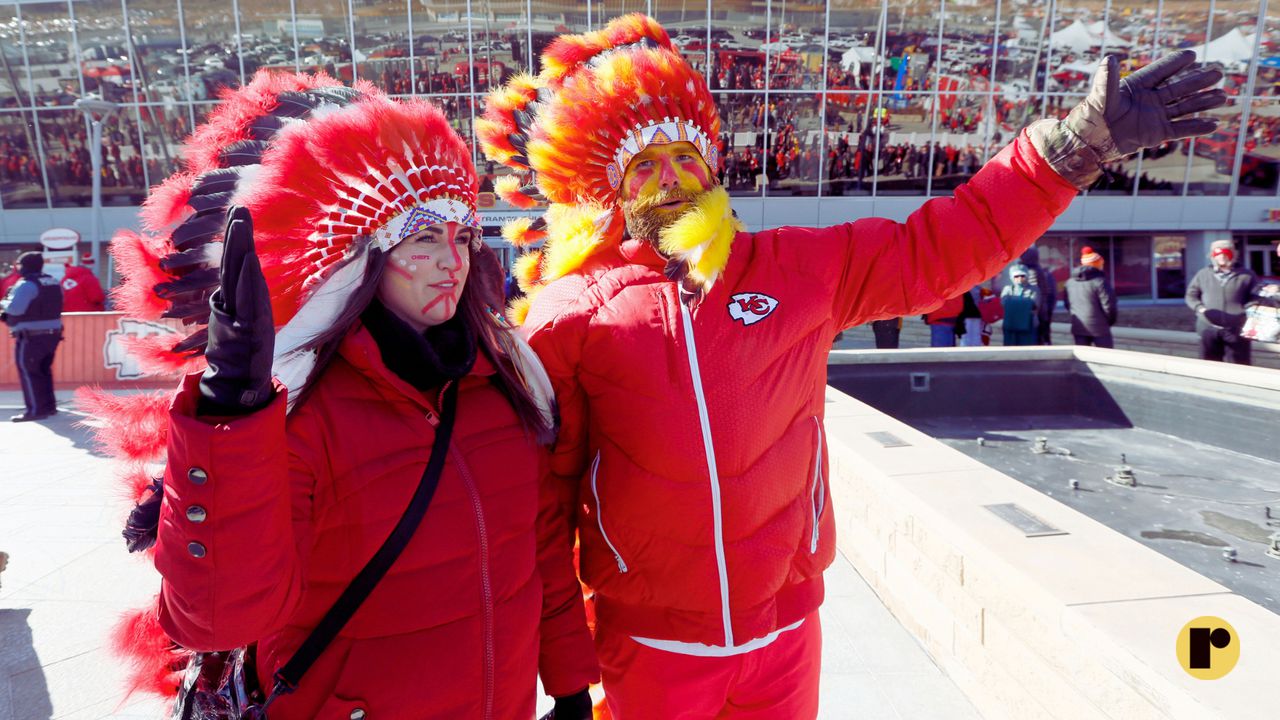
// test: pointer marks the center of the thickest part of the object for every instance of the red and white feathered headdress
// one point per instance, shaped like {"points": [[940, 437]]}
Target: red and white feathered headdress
{"points": [[327, 173]]}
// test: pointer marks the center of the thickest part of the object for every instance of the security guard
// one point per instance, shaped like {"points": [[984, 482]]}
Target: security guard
{"points": [[33, 311]]}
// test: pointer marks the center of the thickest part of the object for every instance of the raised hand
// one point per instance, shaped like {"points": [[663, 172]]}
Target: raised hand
{"points": [[1149, 107], [241, 333]]}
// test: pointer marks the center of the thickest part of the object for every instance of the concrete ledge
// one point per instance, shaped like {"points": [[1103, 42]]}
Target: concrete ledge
{"points": [[1244, 375], [1081, 625], [1163, 337]]}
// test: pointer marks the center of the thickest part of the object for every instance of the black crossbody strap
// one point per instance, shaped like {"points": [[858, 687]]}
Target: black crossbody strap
{"points": [[288, 676]]}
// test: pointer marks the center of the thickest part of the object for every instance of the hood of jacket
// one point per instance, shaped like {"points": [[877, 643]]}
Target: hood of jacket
{"points": [[1087, 272]]}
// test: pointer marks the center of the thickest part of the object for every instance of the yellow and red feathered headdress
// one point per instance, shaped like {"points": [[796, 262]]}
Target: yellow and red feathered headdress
{"points": [[601, 98]]}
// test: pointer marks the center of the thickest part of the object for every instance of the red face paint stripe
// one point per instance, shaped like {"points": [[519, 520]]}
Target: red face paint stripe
{"points": [[436, 301], [400, 271]]}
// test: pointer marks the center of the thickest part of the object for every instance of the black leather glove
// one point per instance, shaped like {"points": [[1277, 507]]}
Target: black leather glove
{"points": [[241, 333], [571, 707], [1120, 117], [1144, 109]]}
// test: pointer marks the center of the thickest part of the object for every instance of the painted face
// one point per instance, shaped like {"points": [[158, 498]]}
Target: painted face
{"points": [[425, 274], [660, 184], [1223, 257]]}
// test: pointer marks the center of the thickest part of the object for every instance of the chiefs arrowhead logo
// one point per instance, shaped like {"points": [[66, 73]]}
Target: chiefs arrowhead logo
{"points": [[751, 307]]}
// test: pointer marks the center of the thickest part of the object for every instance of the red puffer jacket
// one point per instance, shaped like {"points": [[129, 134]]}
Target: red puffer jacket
{"points": [[294, 509], [692, 440]]}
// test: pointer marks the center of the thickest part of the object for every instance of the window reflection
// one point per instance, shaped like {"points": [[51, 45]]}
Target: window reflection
{"points": [[21, 182], [912, 104]]}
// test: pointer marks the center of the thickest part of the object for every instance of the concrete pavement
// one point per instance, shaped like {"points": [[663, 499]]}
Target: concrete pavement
{"points": [[69, 578]]}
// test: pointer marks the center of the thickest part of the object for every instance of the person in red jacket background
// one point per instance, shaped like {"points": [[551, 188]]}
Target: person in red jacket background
{"points": [[942, 322], [352, 298], [689, 356], [81, 290]]}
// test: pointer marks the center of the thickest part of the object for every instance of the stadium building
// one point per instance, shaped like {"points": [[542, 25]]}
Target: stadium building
{"points": [[831, 112]]}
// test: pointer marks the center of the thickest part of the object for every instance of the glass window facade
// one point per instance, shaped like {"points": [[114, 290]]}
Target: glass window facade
{"points": [[841, 99]]}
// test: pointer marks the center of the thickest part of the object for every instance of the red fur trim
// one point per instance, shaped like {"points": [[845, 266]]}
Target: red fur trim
{"points": [[155, 355], [521, 233], [134, 485], [568, 52], [229, 122], [166, 204], [508, 187], [137, 258], [155, 663], [493, 131], [631, 28], [132, 428]]}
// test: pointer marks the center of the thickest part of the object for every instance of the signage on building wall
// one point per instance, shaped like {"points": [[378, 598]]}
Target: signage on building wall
{"points": [[59, 238], [1273, 215], [498, 219]]}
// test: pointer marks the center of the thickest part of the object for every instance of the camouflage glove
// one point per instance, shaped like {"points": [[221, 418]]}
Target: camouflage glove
{"points": [[1121, 117]]}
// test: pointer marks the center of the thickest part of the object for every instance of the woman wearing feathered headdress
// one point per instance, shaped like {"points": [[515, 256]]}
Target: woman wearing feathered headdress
{"points": [[328, 238]]}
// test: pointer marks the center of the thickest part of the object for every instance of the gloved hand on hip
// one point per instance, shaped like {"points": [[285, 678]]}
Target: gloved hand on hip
{"points": [[571, 707], [1120, 117], [241, 333]]}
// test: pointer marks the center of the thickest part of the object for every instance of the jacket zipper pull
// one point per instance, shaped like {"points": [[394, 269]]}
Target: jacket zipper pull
{"points": [[433, 419]]}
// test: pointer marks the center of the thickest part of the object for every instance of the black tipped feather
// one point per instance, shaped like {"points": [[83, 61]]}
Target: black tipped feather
{"points": [[216, 181], [245, 152]]}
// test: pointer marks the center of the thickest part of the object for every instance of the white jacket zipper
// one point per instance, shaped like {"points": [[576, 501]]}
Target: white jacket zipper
{"points": [[818, 497], [595, 467], [716, 515]]}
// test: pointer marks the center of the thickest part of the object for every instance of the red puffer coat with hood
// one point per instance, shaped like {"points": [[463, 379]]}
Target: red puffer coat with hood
{"points": [[692, 443], [476, 606]]}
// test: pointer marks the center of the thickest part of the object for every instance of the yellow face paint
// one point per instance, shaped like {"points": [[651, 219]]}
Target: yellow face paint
{"points": [[659, 169]]}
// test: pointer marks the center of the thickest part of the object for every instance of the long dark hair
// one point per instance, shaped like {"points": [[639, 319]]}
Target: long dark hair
{"points": [[480, 309]]}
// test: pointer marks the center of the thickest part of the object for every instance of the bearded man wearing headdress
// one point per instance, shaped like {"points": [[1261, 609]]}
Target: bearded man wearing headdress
{"points": [[688, 355]]}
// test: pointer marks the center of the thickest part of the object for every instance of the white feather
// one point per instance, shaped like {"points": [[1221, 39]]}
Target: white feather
{"points": [[294, 351], [535, 377]]}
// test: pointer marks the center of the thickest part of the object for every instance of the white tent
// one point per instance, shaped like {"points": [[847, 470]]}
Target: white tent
{"points": [[1084, 68], [1075, 37], [1233, 47], [1104, 36]]}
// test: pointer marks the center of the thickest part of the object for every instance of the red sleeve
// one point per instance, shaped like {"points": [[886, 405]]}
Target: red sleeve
{"points": [[233, 574], [566, 659], [949, 244], [96, 298]]}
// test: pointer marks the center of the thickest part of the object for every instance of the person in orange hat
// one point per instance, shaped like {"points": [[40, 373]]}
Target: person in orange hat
{"points": [[689, 355], [1090, 301]]}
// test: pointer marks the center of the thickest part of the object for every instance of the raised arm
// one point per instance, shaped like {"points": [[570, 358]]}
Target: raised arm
{"points": [[235, 520], [949, 244]]}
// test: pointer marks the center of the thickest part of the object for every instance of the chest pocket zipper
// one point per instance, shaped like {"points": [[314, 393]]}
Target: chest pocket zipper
{"points": [[595, 468], [818, 497]]}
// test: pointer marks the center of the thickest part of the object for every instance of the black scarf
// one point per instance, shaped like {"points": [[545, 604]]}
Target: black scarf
{"points": [[424, 360]]}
